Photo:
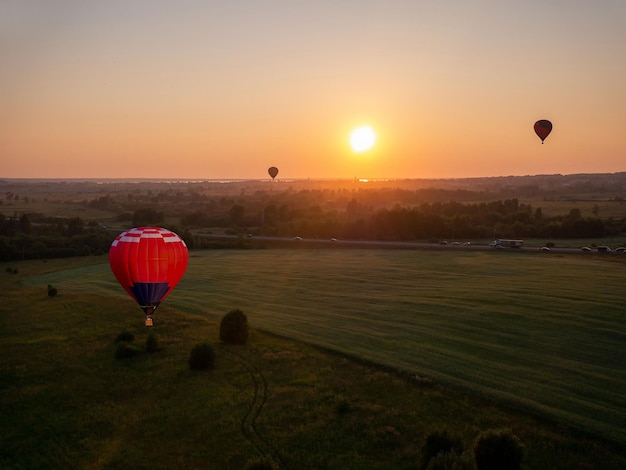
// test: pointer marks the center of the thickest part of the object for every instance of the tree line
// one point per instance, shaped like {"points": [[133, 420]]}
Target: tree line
{"points": [[386, 215], [432, 221], [49, 237]]}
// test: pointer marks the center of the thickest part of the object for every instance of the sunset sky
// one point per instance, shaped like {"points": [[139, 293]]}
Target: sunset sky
{"points": [[225, 89]]}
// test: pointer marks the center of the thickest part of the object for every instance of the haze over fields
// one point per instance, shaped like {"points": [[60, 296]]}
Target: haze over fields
{"points": [[190, 89]]}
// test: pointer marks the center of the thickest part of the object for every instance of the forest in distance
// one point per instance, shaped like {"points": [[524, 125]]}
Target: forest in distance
{"points": [[60, 218]]}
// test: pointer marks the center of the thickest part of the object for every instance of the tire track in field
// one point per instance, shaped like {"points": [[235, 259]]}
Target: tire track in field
{"points": [[248, 421]]}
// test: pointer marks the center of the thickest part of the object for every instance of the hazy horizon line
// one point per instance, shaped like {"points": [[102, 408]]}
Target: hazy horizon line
{"points": [[284, 180]]}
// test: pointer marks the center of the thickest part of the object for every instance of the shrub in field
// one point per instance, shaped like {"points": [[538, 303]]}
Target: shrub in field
{"points": [[124, 350], [449, 461], [260, 463], [439, 442], [125, 336], [51, 291], [201, 357], [343, 407], [498, 449], [234, 327], [152, 343]]}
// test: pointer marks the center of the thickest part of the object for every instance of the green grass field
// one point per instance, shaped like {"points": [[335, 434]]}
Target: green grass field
{"points": [[528, 342], [545, 334]]}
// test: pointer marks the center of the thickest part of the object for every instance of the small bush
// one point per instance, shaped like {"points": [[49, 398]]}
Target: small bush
{"points": [[152, 343], [498, 449], [234, 327], [260, 463], [449, 461], [125, 351], [439, 442], [52, 291], [343, 407], [125, 336], [202, 357]]}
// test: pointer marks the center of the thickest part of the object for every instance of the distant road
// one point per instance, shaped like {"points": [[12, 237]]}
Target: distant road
{"points": [[296, 241]]}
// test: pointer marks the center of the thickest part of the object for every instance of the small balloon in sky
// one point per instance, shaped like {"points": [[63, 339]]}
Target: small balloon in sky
{"points": [[273, 171], [543, 127]]}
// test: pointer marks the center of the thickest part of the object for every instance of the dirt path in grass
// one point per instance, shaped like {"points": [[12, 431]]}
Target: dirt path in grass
{"points": [[248, 421]]}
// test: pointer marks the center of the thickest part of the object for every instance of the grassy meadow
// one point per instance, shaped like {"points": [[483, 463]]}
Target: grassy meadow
{"points": [[355, 356]]}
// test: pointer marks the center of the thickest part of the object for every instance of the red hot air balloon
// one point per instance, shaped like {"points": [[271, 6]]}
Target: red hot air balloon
{"points": [[148, 262], [543, 128], [273, 171]]}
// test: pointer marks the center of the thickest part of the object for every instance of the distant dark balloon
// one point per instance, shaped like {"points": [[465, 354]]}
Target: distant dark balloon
{"points": [[543, 128], [273, 171]]}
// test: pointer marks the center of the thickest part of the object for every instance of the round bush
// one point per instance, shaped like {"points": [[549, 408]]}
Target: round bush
{"points": [[439, 442], [52, 291], [343, 407], [201, 357], [260, 463], [498, 449], [449, 461], [125, 336], [125, 351], [234, 327]]}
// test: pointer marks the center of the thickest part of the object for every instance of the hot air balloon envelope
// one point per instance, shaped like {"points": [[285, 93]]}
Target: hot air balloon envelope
{"points": [[273, 171], [148, 262], [543, 128]]}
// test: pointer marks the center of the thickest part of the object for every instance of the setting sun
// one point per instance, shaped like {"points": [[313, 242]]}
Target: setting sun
{"points": [[362, 138]]}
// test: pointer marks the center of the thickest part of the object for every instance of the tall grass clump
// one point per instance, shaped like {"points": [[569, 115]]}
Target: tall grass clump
{"points": [[234, 327], [152, 343]]}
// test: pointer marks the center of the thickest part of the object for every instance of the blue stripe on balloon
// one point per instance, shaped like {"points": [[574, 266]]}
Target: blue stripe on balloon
{"points": [[149, 293]]}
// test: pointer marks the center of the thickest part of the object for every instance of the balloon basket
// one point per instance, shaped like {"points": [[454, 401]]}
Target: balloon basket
{"points": [[149, 321]]}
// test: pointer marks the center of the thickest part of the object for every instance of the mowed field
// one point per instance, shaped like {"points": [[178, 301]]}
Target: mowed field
{"points": [[543, 333]]}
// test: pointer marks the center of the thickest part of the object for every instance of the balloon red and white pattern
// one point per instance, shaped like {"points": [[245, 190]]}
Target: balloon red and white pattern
{"points": [[148, 262]]}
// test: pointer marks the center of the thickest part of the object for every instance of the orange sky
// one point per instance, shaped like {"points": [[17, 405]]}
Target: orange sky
{"points": [[196, 89]]}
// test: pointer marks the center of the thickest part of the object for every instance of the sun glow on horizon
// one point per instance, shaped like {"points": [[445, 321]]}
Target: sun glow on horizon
{"points": [[362, 139]]}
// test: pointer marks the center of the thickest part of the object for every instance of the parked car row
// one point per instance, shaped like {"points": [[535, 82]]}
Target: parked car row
{"points": [[605, 249], [498, 243]]}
